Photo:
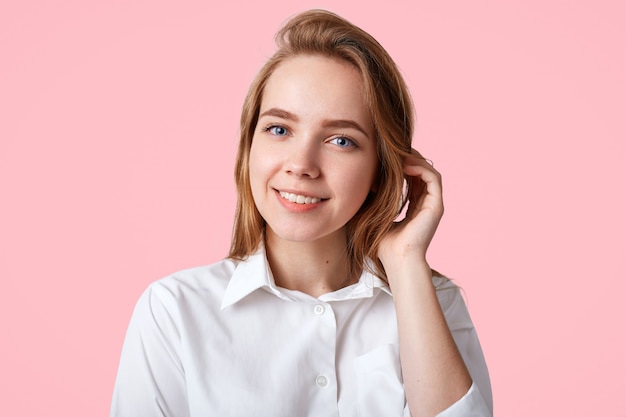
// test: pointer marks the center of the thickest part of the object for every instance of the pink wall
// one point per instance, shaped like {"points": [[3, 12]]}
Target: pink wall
{"points": [[118, 127]]}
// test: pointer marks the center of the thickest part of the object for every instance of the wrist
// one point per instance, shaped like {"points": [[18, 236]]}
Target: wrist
{"points": [[408, 271]]}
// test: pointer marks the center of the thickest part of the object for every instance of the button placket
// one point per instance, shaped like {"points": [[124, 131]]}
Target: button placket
{"points": [[319, 309], [325, 379], [321, 381]]}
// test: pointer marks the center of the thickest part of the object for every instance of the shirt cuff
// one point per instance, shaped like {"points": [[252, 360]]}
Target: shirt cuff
{"points": [[472, 404]]}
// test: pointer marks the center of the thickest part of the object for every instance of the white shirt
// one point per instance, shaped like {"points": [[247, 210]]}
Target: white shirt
{"points": [[224, 340]]}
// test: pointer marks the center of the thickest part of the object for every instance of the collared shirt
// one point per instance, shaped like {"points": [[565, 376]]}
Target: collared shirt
{"points": [[224, 340]]}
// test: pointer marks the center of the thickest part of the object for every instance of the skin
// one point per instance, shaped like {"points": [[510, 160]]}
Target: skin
{"points": [[434, 373], [314, 138], [310, 105]]}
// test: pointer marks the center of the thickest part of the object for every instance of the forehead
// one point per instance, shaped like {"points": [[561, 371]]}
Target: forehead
{"points": [[317, 86]]}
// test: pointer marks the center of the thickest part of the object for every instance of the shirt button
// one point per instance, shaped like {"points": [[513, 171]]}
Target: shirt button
{"points": [[319, 309], [321, 380]]}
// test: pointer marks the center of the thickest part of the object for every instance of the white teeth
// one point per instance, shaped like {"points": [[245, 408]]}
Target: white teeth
{"points": [[299, 199]]}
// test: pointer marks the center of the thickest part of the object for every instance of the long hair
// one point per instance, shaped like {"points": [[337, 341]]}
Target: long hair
{"points": [[322, 33]]}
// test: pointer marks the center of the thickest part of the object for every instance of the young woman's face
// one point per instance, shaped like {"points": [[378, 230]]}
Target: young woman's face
{"points": [[313, 158]]}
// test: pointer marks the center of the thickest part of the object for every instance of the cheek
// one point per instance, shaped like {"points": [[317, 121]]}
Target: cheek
{"points": [[255, 160], [254, 172], [258, 170], [370, 173], [361, 181]]}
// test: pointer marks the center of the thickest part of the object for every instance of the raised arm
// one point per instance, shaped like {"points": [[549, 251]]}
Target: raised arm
{"points": [[435, 374]]}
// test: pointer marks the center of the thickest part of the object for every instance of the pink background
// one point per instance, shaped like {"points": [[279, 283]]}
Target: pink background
{"points": [[118, 127]]}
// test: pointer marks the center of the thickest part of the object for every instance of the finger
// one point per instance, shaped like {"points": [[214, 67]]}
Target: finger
{"points": [[424, 169], [421, 176], [425, 188], [415, 195]]}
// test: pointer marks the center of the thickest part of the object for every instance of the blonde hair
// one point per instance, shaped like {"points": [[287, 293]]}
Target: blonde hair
{"points": [[318, 32]]}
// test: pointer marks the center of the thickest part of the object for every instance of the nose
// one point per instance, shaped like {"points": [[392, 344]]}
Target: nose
{"points": [[303, 159]]}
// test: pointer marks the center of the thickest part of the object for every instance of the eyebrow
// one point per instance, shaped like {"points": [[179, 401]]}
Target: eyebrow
{"points": [[345, 124], [342, 123], [283, 114]]}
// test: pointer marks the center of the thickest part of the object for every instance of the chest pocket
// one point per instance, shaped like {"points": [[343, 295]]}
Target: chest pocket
{"points": [[380, 390]]}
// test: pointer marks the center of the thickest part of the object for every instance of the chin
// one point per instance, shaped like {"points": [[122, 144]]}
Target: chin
{"points": [[297, 237], [301, 234]]}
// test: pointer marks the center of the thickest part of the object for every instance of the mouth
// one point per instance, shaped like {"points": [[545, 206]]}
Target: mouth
{"points": [[299, 198]]}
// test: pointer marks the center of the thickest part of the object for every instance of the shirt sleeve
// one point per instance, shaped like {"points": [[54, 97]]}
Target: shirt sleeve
{"points": [[477, 402], [151, 379]]}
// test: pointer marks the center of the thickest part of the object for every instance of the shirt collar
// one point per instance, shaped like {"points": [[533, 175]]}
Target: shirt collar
{"points": [[362, 289], [254, 273], [249, 275]]}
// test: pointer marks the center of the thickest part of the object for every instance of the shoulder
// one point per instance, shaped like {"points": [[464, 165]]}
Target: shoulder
{"points": [[452, 303], [203, 285]]}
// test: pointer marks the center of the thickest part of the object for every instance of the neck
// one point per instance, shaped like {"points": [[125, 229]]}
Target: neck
{"points": [[314, 268]]}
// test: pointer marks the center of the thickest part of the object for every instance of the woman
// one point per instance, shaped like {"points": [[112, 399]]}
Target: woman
{"points": [[325, 306]]}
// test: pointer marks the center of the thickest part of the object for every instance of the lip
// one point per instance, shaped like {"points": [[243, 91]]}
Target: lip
{"points": [[295, 207]]}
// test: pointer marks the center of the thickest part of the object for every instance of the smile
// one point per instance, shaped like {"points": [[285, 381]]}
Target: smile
{"points": [[299, 199]]}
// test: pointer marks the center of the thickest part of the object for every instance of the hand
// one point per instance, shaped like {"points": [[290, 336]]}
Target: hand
{"points": [[409, 238]]}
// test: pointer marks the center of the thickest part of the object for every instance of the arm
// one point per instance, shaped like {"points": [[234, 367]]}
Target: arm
{"points": [[435, 376], [150, 380], [478, 399], [434, 372]]}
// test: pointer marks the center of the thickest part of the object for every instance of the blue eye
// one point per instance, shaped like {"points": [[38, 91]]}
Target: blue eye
{"points": [[342, 142], [277, 130]]}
